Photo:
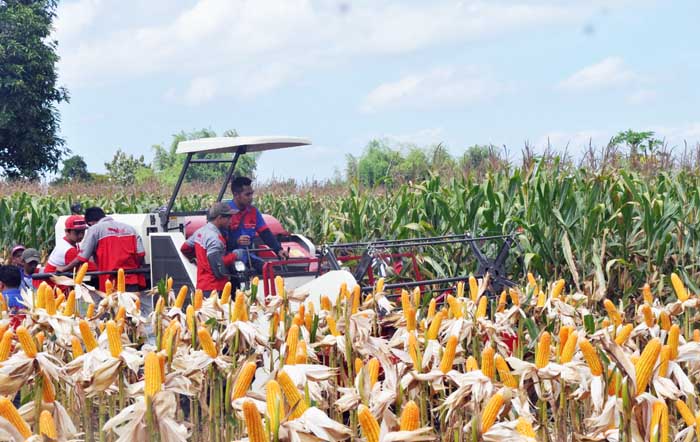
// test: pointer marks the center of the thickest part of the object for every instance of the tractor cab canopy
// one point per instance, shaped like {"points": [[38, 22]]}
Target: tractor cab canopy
{"points": [[236, 146]]}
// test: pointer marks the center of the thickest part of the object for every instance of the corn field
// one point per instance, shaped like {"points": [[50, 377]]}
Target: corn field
{"points": [[542, 362], [606, 232]]}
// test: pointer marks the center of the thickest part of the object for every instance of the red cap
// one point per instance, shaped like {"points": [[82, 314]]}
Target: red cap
{"points": [[75, 222]]}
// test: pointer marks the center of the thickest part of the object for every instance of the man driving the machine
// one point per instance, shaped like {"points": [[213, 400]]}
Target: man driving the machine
{"points": [[245, 223]]}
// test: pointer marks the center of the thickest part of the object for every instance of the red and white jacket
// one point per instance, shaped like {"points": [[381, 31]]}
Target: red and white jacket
{"points": [[208, 245], [116, 246]]}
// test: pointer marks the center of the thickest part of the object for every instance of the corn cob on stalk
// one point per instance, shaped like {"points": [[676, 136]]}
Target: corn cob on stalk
{"points": [[243, 381], [645, 365], [294, 399], [410, 417], [368, 424], [10, 413]]}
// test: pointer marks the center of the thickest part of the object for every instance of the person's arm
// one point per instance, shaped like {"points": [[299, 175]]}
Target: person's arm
{"points": [[71, 259], [187, 249], [219, 260]]}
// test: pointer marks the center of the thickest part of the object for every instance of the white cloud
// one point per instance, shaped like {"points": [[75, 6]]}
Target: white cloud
{"points": [[237, 42], [201, 90], [442, 87], [610, 72]]}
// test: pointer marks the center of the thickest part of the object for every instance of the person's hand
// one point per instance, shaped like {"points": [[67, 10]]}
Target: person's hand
{"points": [[282, 253], [244, 240]]}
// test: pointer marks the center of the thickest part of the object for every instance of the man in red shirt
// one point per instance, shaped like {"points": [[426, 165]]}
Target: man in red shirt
{"points": [[67, 248], [208, 246], [115, 245]]}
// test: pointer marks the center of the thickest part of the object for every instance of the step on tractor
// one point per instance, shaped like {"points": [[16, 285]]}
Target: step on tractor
{"points": [[311, 269]]}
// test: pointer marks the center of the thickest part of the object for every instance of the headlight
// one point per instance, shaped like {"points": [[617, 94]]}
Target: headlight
{"points": [[239, 266]]}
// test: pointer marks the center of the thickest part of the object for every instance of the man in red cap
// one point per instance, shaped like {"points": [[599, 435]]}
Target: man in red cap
{"points": [[67, 249]]}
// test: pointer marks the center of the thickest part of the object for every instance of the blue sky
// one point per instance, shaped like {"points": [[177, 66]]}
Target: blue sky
{"points": [[345, 72]]}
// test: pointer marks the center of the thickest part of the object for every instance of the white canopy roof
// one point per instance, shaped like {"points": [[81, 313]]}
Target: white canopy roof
{"points": [[231, 144]]}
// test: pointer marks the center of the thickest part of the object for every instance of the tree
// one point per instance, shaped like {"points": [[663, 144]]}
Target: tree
{"points": [[29, 119], [167, 163], [415, 165], [377, 163], [636, 141], [126, 169], [74, 169]]}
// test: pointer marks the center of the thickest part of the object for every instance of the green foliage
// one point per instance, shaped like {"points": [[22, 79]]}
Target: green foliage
{"points": [[29, 120], [475, 157], [376, 163], [74, 169], [638, 140], [167, 163], [126, 169]]}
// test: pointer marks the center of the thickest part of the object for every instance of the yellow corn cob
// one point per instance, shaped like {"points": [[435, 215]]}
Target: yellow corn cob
{"points": [[121, 314], [612, 312], [40, 338], [434, 328], [60, 297], [472, 364], [405, 300], [358, 365], [39, 303], [101, 327], [81, 273], [10, 413], [76, 346], [291, 392], [612, 385], [454, 306], [69, 308], [524, 428], [664, 358], [189, 316], [162, 359], [410, 315], [432, 306], [448, 356], [644, 367], [88, 337], [49, 302], [326, 303], [243, 381], [567, 353], [648, 315], [26, 341], [646, 294], [356, 298], [160, 306], [410, 417], [121, 281], [90, 311], [48, 391], [207, 342], [591, 356], [605, 323], [564, 332], [504, 373], [417, 297], [490, 413], [253, 422], [558, 288], [6, 345], [332, 326], [697, 426], [226, 293], [665, 320], [181, 297], [679, 287], [115, 342], [659, 422], [544, 349], [413, 351], [297, 320], [532, 282], [380, 286], [198, 299], [240, 312], [541, 299], [473, 288], [308, 320], [275, 404], [152, 374], [624, 334], [481, 308], [460, 289], [685, 412], [109, 287], [368, 423], [514, 296], [302, 353], [373, 370], [292, 342], [673, 337], [502, 301], [279, 286], [169, 284], [696, 335], [487, 362], [47, 426]]}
